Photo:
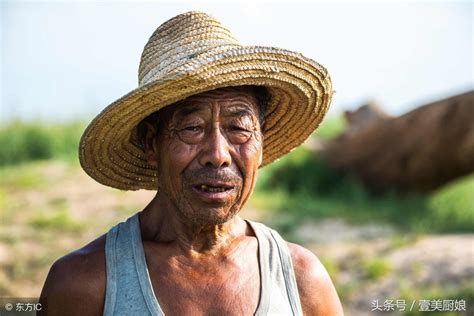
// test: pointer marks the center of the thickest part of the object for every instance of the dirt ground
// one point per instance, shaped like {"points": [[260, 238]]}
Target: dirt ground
{"points": [[58, 208]]}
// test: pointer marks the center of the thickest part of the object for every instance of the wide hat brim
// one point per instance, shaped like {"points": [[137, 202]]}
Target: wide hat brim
{"points": [[300, 93]]}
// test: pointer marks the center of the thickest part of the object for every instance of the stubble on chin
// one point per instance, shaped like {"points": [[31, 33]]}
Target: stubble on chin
{"points": [[206, 215]]}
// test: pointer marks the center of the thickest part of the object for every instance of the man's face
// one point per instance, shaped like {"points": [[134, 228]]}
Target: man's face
{"points": [[208, 150]]}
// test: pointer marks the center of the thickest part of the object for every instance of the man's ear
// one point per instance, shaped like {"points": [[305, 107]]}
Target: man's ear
{"points": [[151, 148]]}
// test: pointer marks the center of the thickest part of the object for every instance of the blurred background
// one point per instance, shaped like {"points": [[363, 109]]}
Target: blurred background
{"points": [[382, 193]]}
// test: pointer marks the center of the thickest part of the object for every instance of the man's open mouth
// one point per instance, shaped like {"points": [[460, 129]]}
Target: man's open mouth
{"points": [[213, 188]]}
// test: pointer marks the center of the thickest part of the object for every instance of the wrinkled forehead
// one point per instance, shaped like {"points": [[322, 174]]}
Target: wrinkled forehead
{"points": [[234, 101]]}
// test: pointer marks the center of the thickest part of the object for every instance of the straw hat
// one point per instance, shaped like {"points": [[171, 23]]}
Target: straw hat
{"points": [[189, 54]]}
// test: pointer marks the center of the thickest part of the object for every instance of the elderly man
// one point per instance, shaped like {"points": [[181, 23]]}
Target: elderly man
{"points": [[207, 114]]}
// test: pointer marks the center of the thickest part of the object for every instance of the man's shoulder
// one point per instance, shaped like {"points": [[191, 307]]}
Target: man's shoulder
{"points": [[305, 261], [76, 278], [83, 261], [317, 293]]}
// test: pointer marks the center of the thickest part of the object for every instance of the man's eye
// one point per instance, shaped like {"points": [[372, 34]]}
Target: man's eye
{"points": [[236, 128], [191, 134], [192, 128], [238, 134]]}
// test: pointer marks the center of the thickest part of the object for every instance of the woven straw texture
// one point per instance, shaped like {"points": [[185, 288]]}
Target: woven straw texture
{"points": [[189, 54]]}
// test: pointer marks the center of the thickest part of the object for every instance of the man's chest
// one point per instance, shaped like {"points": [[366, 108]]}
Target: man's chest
{"points": [[217, 288]]}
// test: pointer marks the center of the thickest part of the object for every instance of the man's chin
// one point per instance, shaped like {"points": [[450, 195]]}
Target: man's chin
{"points": [[204, 213], [213, 216]]}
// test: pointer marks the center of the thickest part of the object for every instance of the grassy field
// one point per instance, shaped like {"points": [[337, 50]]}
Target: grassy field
{"points": [[420, 249], [22, 142], [301, 185]]}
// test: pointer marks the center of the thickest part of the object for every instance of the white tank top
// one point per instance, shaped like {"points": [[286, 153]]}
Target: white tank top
{"points": [[129, 290]]}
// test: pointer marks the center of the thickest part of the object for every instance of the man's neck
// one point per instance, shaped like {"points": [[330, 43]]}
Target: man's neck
{"points": [[160, 222]]}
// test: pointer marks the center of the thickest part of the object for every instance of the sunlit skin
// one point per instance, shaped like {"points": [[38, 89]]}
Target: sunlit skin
{"points": [[211, 139], [201, 255]]}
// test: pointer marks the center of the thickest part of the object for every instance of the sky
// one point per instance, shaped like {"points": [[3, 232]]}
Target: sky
{"points": [[64, 60]]}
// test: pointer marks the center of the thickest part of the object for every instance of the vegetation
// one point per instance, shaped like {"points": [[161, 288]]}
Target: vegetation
{"points": [[302, 186], [55, 220], [28, 141], [463, 291], [376, 268]]}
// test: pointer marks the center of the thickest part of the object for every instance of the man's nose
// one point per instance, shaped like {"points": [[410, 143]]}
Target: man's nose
{"points": [[216, 151]]}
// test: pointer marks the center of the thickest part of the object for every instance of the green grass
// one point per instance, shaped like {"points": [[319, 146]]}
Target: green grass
{"points": [[302, 186], [331, 267], [452, 207], [3, 200], [375, 269], [330, 127], [463, 291], [21, 177], [400, 241], [347, 290], [58, 220], [28, 141]]}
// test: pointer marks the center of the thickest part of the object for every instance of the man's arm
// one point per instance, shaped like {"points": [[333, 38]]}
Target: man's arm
{"points": [[317, 293], [75, 285]]}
